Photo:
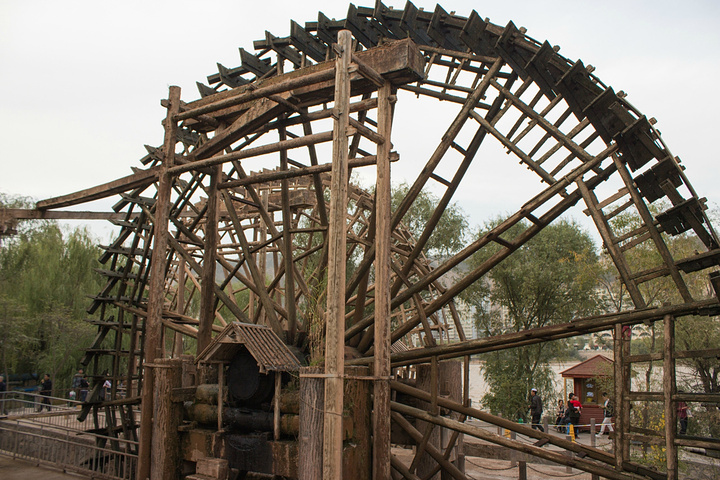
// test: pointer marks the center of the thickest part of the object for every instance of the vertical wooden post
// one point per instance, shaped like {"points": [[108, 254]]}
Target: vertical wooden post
{"points": [[568, 453], [276, 406], [156, 285], [310, 444], [593, 439], [287, 246], [337, 263], [427, 380], [522, 470], [513, 453], [670, 389], [381, 366], [620, 426], [220, 394], [178, 348], [207, 278], [167, 416]]}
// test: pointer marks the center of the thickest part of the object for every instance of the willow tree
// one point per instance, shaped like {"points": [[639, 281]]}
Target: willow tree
{"points": [[46, 276]]}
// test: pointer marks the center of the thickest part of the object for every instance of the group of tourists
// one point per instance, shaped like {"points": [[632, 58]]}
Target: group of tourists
{"points": [[565, 415], [568, 414], [79, 386], [79, 390]]}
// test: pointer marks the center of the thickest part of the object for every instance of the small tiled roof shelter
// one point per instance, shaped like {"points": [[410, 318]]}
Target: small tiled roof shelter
{"points": [[268, 350], [585, 377]]}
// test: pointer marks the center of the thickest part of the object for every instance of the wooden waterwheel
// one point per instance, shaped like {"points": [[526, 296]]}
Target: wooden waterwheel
{"points": [[232, 221]]}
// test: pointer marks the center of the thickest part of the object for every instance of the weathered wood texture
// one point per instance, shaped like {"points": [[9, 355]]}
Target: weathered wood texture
{"points": [[337, 234], [312, 401], [381, 366], [156, 294], [167, 417], [272, 252]]}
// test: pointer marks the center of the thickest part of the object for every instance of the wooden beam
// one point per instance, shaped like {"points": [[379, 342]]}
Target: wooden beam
{"points": [[156, 289], [253, 152], [301, 172], [256, 273], [337, 264], [207, 278], [288, 247], [669, 389], [465, 411], [138, 179], [381, 366], [34, 214], [576, 327], [479, 432]]}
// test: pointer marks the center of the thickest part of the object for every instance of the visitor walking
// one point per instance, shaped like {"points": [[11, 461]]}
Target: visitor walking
{"points": [[682, 415], [75, 385], [559, 416], [607, 415], [46, 391], [84, 386], [3, 389], [536, 410]]}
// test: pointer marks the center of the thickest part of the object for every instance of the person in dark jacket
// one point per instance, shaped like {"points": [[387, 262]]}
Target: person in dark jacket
{"points": [[3, 389], [46, 391], [536, 410]]}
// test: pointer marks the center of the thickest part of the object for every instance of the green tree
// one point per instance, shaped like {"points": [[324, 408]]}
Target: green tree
{"points": [[46, 275], [549, 280], [449, 234]]}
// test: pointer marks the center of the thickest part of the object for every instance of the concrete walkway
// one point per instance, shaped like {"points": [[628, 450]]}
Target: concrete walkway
{"points": [[21, 470]]}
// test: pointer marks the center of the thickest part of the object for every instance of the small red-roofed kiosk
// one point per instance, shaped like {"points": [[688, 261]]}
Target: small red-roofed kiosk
{"points": [[589, 379]]}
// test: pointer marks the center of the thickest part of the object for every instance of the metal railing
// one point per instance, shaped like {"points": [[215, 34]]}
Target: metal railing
{"points": [[56, 438]]}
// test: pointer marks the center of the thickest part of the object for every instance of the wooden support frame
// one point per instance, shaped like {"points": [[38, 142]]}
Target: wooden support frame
{"points": [[337, 234], [381, 366], [670, 389], [153, 322], [227, 131]]}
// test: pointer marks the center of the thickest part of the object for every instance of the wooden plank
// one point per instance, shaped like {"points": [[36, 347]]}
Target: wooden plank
{"points": [[252, 152], [34, 214], [138, 179]]}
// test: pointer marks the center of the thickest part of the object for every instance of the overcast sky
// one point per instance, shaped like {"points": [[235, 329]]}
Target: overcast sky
{"points": [[81, 81]]}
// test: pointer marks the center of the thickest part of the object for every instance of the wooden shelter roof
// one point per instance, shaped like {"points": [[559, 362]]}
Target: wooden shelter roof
{"points": [[264, 345], [596, 366]]}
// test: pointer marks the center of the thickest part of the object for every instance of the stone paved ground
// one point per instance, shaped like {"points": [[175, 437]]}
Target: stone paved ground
{"points": [[21, 470]]}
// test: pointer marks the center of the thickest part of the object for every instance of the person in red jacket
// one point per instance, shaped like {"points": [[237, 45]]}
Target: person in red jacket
{"points": [[574, 410]]}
